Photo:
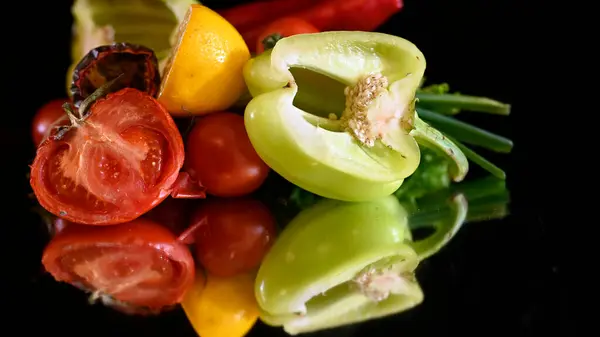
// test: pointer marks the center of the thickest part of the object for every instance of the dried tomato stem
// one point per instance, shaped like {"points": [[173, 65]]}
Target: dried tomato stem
{"points": [[99, 93], [71, 114]]}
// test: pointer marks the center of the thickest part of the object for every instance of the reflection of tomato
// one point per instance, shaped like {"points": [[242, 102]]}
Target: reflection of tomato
{"points": [[232, 235], [285, 27], [222, 307], [49, 115], [139, 262], [171, 213], [59, 225], [219, 155], [112, 167]]}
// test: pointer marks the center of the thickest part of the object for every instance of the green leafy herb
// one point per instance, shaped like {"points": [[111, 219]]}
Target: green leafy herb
{"points": [[431, 175]]}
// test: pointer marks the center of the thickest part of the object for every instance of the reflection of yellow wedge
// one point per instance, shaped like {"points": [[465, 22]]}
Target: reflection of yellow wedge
{"points": [[221, 307], [151, 23]]}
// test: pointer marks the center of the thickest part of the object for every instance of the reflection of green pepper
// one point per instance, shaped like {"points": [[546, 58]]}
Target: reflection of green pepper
{"points": [[334, 113], [338, 263], [445, 227]]}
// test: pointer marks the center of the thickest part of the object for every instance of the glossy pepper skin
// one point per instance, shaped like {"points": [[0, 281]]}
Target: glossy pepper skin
{"points": [[311, 94], [326, 15], [339, 263], [246, 16]]}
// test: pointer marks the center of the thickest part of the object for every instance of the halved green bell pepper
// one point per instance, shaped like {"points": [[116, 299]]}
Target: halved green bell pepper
{"points": [[333, 113]]}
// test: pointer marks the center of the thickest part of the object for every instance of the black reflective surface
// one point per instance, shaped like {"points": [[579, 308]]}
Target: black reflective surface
{"points": [[498, 276]]}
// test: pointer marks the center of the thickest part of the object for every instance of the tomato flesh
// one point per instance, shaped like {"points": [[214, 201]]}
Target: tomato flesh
{"points": [[117, 164], [140, 262], [232, 235]]}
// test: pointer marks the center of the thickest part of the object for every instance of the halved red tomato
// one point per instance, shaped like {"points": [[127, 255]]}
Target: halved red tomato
{"points": [[140, 262], [117, 163]]}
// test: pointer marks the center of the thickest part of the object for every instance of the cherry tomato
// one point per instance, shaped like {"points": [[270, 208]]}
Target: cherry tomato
{"points": [[220, 157], [48, 116], [232, 235], [285, 27], [222, 307], [112, 167], [140, 262]]}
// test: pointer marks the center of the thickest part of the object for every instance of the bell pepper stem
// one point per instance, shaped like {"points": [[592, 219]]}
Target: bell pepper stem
{"points": [[445, 229], [433, 139]]}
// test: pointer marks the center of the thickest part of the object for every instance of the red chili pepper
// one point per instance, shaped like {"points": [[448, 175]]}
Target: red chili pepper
{"points": [[327, 15], [248, 16]]}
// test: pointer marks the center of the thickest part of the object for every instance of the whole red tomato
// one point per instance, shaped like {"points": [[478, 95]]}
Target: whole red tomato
{"points": [[232, 235], [221, 158], [113, 166], [284, 27], [48, 116], [140, 262]]}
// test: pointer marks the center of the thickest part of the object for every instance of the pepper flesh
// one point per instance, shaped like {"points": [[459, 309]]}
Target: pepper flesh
{"points": [[339, 263]]}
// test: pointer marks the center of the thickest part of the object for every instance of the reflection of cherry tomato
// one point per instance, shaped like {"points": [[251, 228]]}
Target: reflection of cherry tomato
{"points": [[49, 115], [232, 235], [171, 213], [285, 27], [59, 225], [112, 167], [222, 307], [139, 262], [220, 157]]}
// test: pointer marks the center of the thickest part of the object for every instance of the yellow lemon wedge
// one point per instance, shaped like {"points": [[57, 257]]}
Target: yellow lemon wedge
{"points": [[204, 71]]}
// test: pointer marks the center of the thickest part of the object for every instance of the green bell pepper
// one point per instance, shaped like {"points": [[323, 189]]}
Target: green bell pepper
{"points": [[333, 113], [340, 263]]}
